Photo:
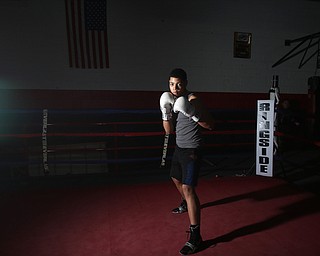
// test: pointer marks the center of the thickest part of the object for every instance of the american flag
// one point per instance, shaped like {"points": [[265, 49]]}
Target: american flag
{"points": [[87, 33]]}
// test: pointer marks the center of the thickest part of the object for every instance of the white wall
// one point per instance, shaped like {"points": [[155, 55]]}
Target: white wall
{"points": [[148, 38]]}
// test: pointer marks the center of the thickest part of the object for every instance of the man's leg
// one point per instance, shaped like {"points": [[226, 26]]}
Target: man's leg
{"points": [[194, 215], [193, 203], [178, 186], [183, 206]]}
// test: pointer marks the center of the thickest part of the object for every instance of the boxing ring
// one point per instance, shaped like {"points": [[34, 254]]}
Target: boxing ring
{"points": [[43, 142], [94, 219]]}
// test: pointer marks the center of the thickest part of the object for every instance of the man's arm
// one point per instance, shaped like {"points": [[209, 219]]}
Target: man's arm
{"points": [[168, 126], [206, 121], [166, 105]]}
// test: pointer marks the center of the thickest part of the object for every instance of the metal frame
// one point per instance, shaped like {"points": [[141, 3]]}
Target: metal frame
{"points": [[296, 51]]}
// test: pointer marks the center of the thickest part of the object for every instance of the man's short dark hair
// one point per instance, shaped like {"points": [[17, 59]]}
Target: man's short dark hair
{"points": [[179, 73]]}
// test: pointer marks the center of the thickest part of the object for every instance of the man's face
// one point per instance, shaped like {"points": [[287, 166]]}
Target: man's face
{"points": [[177, 86]]}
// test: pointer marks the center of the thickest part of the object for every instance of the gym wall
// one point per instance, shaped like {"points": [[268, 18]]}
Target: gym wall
{"points": [[148, 38]]}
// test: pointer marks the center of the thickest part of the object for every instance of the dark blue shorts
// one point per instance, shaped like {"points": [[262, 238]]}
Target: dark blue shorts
{"points": [[185, 165]]}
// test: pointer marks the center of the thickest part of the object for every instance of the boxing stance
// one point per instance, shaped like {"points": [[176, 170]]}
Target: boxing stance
{"points": [[192, 117]]}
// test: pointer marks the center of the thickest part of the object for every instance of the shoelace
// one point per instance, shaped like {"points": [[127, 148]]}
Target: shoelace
{"points": [[191, 238]]}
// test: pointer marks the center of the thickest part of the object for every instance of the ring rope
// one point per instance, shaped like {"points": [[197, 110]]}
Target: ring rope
{"points": [[115, 134]]}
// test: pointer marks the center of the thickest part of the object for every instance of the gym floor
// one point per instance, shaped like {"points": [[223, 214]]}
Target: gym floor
{"points": [[243, 214]]}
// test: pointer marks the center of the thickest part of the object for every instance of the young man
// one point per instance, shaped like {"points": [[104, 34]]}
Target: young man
{"points": [[192, 117]]}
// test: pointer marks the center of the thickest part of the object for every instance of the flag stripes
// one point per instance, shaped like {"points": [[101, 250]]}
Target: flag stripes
{"points": [[87, 33]]}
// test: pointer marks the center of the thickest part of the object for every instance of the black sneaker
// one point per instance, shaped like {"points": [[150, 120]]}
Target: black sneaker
{"points": [[190, 248], [182, 208], [194, 242]]}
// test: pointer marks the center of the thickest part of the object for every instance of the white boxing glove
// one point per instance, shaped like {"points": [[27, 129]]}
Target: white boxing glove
{"points": [[166, 105], [185, 107]]}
